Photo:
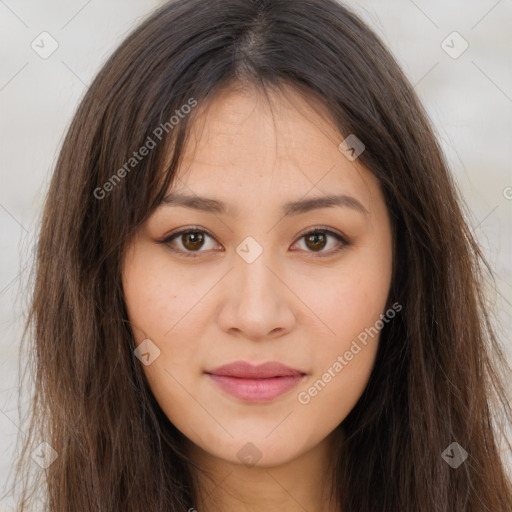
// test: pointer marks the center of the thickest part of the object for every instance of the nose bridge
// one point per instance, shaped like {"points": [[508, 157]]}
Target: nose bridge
{"points": [[256, 301], [254, 279]]}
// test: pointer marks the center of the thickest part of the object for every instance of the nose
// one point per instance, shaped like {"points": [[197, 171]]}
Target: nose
{"points": [[257, 303]]}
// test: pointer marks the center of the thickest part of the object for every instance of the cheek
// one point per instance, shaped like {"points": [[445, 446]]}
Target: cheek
{"points": [[160, 303], [351, 303], [344, 360], [350, 300], [159, 298]]}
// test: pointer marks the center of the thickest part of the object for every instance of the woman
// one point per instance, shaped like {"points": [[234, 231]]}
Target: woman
{"points": [[255, 288]]}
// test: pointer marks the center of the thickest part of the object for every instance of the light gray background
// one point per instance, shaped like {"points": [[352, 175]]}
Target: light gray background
{"points": [[469, 100]]}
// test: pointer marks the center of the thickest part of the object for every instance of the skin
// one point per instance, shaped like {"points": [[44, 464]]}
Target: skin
{"points": [[299, 303]]}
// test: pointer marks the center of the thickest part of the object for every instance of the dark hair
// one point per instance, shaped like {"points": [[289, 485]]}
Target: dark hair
{"points": [[436, 379]]}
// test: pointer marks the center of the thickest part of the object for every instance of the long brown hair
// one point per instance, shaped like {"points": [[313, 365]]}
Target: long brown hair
{"points": [[438, 375]]}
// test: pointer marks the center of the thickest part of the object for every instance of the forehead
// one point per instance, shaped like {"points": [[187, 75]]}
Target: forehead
{"points": [[249, 122], [247, 147]]}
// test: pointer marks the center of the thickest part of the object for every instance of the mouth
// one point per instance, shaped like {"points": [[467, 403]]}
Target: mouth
{"points": [[262, 383]]}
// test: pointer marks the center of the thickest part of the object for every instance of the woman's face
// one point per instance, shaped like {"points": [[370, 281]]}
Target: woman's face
{"points": [[252, 284]]}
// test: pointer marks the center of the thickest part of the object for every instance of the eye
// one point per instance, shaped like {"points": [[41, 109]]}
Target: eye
{"points": [[190, 241], [317, 240]]}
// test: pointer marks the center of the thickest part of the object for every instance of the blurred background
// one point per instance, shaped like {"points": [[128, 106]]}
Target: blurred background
{"points": [[457, 55]]}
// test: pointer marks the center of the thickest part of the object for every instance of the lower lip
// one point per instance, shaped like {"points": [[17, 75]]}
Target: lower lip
{"points": [[256, 390]]}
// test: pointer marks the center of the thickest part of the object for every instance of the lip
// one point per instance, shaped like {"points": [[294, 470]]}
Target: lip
{"points": [[261, 383]]}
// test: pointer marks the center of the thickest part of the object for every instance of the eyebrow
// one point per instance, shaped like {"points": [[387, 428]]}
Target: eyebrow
{"points": [[290, 208]]}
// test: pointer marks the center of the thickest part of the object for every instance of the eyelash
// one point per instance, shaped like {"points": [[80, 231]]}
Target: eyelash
{"points": [[196, 229]]}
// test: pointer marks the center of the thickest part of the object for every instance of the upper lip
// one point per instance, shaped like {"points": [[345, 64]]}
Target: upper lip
{"points": [[244, 370]]}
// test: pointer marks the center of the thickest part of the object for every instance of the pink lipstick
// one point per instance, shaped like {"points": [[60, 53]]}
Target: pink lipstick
{"points": [[261, 383]]}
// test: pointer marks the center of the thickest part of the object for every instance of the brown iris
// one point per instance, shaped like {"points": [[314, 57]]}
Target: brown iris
{"points": [[316, 241], [193, 240]]}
